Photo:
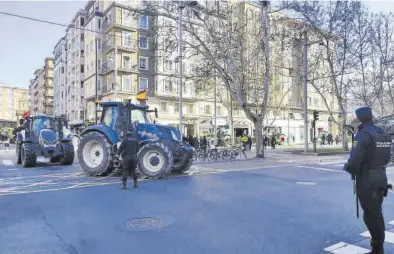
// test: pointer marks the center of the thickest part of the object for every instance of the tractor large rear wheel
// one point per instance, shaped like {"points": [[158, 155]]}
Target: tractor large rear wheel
{"points": [[155, 160], [28, 155], [94, 154]]}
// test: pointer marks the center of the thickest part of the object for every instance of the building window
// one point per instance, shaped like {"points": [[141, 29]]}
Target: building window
{"points": [[163, 106], [144, 22], [143, 84], [82, 98], [99, 24], [127, 83], [190, 108], [126, 39], [82, 37], [82, 20], [81, 113], [143, 63], [143, 42], [82, 68], [167, 86], [126, 18], [126, 62], [176, 107], [207, 109], [167, 65]]}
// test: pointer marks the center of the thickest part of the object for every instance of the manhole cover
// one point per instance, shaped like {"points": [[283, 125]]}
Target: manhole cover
{"points": [[306, 183], [148, 223]]}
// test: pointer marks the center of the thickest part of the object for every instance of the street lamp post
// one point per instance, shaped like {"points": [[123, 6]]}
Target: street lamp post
{"points": [[181, 6]]}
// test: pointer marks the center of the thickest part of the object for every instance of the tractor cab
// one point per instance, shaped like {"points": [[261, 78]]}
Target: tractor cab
{"points": [[119, 116]]}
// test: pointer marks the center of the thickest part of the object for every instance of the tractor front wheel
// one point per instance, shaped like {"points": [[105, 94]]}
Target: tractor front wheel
{"points": [[18, 153], [94, 154], [68, 154], [155, 160], [184, 162], [28, 155]]}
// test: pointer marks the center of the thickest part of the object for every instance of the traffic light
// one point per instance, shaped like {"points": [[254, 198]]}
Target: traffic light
{"points": [[315, 115]]}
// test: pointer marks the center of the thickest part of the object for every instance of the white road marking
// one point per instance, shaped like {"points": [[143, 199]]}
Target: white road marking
{"points": [[332, 162], [11, 169], [306, 183], [322, 169], [345, 248], [8, 162], [391, 222], [388, 239]]}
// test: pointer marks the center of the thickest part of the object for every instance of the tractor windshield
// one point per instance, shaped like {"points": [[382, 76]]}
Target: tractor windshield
{"points": [[139, 116], [44, 122]]}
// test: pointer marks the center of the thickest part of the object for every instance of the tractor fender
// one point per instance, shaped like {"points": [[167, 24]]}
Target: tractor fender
{"points": [[171, 144], [105, 130]]}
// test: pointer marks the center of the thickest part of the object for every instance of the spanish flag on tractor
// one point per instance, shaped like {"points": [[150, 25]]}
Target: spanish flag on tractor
{"points": [[142, 95]]}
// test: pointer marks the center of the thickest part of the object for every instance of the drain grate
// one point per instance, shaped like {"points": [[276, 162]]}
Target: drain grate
{"points": [[148, 223]]}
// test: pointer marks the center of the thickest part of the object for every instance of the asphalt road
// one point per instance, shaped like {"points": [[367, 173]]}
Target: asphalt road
{"points": [[284, 204]]}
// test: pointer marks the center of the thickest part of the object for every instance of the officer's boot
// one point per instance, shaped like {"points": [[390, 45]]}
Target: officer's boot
{"points": [[124, 187], [135, 183], [376, 249]]}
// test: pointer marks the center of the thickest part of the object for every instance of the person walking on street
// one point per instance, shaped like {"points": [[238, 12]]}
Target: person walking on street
{"points": [[369, 157], [129, 149], [273, 142]]}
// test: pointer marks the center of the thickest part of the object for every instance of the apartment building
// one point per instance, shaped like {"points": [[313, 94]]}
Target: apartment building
{"points": [[41, 89], [138, 51], [75, 69], [60, 76], [14, 101]]}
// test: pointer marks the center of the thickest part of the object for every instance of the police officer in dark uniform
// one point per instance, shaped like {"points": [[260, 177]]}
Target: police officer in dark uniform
{"points": [[368, 159], [129, 149]]}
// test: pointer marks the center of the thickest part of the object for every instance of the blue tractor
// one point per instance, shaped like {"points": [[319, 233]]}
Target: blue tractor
{"points": [[43, 135], [161, 148]]}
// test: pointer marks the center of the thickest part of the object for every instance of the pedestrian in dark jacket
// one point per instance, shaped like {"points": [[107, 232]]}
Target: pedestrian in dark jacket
{"points": [[129, 149]]}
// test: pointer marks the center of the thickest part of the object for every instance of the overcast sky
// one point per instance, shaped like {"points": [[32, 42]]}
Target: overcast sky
{"points": [[24, 44]]}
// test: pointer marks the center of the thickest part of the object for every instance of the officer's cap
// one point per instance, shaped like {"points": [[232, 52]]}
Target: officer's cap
{"points": [[364, 114]]}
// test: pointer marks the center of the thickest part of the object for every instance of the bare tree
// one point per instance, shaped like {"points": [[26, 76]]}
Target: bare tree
{"points": [[383, 41], [334, 23]]}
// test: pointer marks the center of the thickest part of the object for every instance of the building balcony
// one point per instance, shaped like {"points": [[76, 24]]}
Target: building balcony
{"points": [[109, 66], [110, 45], [118, 23]]}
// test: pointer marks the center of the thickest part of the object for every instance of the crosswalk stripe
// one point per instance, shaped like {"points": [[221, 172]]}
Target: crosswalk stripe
{"points": [[8, 162], [322, 169], [345, 248], [389, 236]]}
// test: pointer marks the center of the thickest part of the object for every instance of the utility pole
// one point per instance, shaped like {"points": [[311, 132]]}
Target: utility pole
{"points": [[305, 88], [215, 129], [96, 90], [180, 62]]}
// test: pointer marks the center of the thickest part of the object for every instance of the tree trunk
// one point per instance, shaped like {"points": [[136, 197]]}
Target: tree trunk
{"points": [[258, 125], [345, 144]]}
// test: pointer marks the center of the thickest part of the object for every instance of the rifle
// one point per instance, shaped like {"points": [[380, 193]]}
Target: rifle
{"points": [[355, 192]]}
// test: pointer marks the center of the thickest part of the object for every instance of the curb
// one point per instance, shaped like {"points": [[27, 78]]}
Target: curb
{"points": [[319, 153]]}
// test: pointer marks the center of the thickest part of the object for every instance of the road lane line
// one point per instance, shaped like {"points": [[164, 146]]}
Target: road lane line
{"points": [[8, 162], [345, 248], [322, 169], [11, 169]]}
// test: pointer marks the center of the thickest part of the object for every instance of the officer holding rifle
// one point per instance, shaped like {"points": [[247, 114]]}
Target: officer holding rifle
{"points": [[369, 156]]}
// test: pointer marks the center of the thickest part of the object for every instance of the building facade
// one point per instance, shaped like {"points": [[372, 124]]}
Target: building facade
{"points": [[14, 101], [41, 89], [60, 77], [123, 49]]}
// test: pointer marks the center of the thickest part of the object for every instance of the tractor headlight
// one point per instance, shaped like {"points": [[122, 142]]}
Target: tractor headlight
{"points": [[174, 136]]}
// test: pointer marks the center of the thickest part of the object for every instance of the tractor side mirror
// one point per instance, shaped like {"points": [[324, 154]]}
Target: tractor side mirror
{"points": [[156, 113], [21, 121]]}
